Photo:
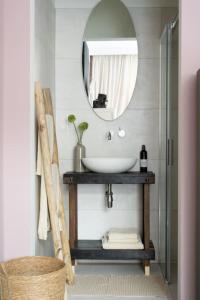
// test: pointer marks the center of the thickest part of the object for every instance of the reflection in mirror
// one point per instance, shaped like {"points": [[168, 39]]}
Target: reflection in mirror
{"points": [[110, 59]]}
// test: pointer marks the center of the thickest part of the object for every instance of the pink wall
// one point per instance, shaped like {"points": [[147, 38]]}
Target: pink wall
{"points": [[16, 128], [189, 63], [16, 137], [1, 133]]}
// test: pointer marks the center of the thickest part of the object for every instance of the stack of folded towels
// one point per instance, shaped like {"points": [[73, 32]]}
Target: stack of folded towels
{"points": [[122, 238]]}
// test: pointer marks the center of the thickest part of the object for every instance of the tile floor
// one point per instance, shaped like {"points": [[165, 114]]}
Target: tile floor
{"points": [[174, 281], [116, 269]]}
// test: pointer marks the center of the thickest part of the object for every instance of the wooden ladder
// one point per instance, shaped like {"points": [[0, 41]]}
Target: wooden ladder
{"points": [[57, 216]]}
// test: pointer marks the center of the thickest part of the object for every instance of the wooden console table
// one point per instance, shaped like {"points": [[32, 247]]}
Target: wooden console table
{"points": [[92, 249]]}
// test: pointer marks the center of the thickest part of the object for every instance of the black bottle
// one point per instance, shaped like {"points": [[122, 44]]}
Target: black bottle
{"points": [[143, 159]]}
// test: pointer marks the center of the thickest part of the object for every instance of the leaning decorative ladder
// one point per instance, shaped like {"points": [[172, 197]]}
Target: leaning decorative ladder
{"points": [[57, 216]]}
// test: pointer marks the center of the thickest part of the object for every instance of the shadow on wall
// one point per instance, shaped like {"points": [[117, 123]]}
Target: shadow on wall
{"points": [[198, 185], [1, 133]]}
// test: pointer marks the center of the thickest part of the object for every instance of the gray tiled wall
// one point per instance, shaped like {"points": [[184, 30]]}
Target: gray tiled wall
{"points": [[140, 121]]}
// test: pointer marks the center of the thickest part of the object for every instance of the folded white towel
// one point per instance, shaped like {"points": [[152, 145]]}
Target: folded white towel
{"points": [[113, 245], [123, 234], [129, 240]]}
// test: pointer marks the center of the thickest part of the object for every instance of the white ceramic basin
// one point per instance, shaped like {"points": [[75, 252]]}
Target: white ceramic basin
{"points": [[109, 164]]}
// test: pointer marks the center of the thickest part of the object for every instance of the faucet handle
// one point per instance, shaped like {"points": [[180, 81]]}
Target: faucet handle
{"points": [[121, 133]]}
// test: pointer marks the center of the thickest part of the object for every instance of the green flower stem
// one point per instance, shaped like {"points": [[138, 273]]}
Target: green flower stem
{"points": [[79, 139], [81, 136]]}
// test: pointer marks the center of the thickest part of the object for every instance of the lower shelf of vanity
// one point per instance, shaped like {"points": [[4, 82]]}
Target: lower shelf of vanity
{"points": [[92, 249]]}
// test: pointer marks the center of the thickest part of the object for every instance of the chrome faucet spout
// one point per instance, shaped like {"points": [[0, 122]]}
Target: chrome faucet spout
{"points": [[109, 135]]}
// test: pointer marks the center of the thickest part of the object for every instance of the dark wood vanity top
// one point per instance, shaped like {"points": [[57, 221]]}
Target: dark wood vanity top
{"points": [[105, 178]]}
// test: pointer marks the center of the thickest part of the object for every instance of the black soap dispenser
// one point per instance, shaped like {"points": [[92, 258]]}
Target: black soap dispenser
{"points": [[143, 159]]}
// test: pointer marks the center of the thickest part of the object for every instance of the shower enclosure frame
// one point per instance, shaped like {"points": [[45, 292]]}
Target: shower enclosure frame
{"points": [[166, 39]]}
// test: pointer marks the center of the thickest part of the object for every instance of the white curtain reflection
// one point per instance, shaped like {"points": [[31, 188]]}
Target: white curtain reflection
{"points": [[114, 76]]}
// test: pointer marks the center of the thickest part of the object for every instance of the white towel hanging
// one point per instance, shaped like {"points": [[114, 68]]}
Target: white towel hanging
{"points": [[44, 223]]}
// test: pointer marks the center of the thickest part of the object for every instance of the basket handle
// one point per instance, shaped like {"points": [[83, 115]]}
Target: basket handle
{"points": [[2, 268], [4, 276]]}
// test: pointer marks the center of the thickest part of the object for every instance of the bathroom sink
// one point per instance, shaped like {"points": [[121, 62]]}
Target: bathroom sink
{"points": [[109, 164]]}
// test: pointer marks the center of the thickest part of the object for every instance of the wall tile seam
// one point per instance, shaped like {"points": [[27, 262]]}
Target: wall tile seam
{"points": [[63, 10], [49, 56], [149, 6], [114, 209], [123, 211], [151, 168], [48, 39], [49, 51], [71, 159], [65, 110], [82, 109], [79, 58], [75, 59]]}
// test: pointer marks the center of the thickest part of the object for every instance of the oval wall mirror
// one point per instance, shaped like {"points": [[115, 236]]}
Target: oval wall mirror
{"points": [[109, 59]]}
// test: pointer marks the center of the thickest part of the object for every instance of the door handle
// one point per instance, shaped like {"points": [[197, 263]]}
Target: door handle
{"points": [[170, 152]]}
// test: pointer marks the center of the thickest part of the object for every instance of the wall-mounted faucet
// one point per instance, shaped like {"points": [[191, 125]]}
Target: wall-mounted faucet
{"points": [[109, 135]]}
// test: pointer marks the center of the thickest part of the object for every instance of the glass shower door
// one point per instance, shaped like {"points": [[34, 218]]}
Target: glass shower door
{"points": [[166, 148]]}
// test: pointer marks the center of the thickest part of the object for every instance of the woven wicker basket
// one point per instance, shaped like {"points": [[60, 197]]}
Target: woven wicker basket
{"points": [[33, 278]]}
